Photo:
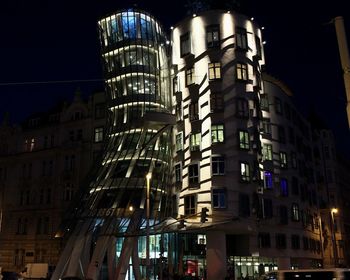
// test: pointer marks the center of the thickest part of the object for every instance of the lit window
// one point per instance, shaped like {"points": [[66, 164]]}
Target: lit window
{"points": [[295, 212], [219, 198], [193, 173], [213, 36], [243, 140], [195, 141], [284, 187], [268, 184], [242, 72], [98, 134], [185, 44], [214, 70], [241, 38], [245, 172], [193, 112], [267, 151], [242, 109], [216, 102], [218, 165], [190, 76], [179, 142], [217, 133], [178, 172], [190, 204], [283, 160]]}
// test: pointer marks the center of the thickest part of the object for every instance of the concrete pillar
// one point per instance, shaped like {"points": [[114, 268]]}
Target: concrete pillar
{"points": [[283, 263], [216, 255]]}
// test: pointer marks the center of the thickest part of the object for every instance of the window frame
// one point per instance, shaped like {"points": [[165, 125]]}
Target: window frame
{"points": [[221, 194], [217, 165], [244, 139], [185, 44], [217, 132], [214, 71], [242, 72], [210, 30]]}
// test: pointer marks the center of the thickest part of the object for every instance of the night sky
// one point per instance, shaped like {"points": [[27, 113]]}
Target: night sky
{"points": [[50, 40]]}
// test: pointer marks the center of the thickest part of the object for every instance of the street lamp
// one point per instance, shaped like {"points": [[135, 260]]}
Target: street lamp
{"points": [[148, 178], [335, 251]]}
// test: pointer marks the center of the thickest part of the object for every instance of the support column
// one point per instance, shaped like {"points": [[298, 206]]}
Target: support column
{"points": [[216, 255]]}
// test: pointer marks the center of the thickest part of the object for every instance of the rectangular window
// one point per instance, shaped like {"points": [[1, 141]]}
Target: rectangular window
{"points": [[291, 135], [293, 160], [214, 70], [283, 213], [217, 133], [178, 111], [258, 46], [284, 187], [178, 172], [281, 241], [283, 160], [268, 183], [193, 173], [100, 110], [98, 134], [190, 76], [242, 109], [213, 36], [245, 172], [193, 111], [195, 141], [179, 141], [295, 242], [218, 165], [295, 212], [287, 111], [241, 38], [244, 205], [295, 186], [216, 102], [185, 44], [190, 204], [264, 240], [243, 140], [278, 106], [241, 72], [264, 102], [219, 198], [267, 151], [266, 126], [176, 87], [268, 209]]}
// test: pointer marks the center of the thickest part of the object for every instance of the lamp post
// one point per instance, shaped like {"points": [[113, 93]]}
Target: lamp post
{"points": [[148, 178], [335, 250]]}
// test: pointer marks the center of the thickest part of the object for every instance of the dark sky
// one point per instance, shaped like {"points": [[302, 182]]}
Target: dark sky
{"points": [[50, 40]]}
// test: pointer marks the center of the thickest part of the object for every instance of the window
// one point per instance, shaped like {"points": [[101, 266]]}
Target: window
{"points": [[185, 44], [281, 241], [244, 205], [213, 36], [264, 102], [216, 102], [100, 110], [218, 165], [241, 72], [305, 243], [98, 134], [284, 187], [283, 213], [241, 39], [295, 242], [268, 183], [267, 151], [268, 209], [264, 240], [291, 135], [178, 111], [283, 160], [176, 85], [214, 70], [179, 141], [219, 198], [245, 172], [193, 111], [266, 126], [287, 111], [189, 76], [217, 133], [258, 46], [193, 173], [190, 204], [295, 212], [69, 163], [278, 106], [281, 134], [243, 139], [195, 141], [242, 109], [178, 172], [293, 157], [295, 186]]}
